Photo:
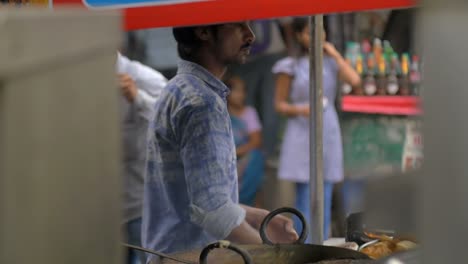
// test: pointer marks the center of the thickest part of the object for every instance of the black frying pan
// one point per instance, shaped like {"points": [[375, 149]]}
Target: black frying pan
{"points": [[296, 253]]}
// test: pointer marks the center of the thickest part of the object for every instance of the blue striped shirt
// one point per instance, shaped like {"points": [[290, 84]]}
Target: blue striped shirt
{"points": [[191, 192]]}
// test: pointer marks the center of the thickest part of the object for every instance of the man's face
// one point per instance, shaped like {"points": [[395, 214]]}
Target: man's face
{"points": [[232, 42]]}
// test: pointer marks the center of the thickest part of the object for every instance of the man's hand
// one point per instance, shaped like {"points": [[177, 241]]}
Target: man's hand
{"points": [[129, 89], [280, 229]]}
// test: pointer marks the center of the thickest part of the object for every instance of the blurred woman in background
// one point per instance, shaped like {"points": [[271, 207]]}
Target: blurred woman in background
{"points": [[292, 100]]}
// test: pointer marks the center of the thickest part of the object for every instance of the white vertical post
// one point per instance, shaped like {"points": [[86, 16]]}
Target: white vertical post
{"points": [[316, 128]]}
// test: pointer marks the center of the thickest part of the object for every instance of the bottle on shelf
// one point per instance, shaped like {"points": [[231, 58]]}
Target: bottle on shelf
{"points": [[355, 52], [369, 83], [415, 76], [360, 71], [404, 78], [392, 78], [382, 76], [366, 47], [387, 49], [377, 49], [352, 50], [346, 88], [348, 48]]}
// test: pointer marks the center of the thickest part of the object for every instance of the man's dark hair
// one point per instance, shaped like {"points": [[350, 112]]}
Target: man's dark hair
{"points": [[187, 41]]}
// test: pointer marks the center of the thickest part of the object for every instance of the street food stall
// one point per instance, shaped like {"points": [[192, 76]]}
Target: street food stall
{"points": [[168, 13], [151, 14]]}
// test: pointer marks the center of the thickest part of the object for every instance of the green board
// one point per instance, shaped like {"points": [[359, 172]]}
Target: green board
{"points": [[372, 144]]}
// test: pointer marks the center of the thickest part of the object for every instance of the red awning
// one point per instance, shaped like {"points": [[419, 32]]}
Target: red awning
{"points": [[215, 11]]}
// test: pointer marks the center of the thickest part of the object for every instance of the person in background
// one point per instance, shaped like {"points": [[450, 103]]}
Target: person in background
{"points": [[292, 100], [191, 189], [247, 132], [141, 87], [273, 42]]}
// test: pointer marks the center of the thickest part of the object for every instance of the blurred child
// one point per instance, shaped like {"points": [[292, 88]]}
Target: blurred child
{"points": [[247, 136]]}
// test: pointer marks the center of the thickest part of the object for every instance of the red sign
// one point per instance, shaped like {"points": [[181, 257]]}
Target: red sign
{"points": [[217, 11]]}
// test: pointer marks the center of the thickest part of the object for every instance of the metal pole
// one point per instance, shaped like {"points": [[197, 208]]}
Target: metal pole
{"points": [[316, 128]]}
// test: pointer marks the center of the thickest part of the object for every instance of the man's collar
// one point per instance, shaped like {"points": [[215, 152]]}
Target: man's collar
{"points": [[187, 67]]}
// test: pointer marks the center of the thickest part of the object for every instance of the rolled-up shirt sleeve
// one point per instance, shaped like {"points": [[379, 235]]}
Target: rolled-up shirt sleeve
{"points": [[207, 155], [220, 222]]}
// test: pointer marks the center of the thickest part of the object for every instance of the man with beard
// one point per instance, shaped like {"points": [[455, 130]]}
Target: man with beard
{"points": [[191, 192]]}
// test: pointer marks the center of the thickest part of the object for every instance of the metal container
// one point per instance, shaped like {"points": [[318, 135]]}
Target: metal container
{"points": [[297, 253]]}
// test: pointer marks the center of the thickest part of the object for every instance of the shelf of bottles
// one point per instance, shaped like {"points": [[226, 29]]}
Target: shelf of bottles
{"points": [[390, 82]]}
